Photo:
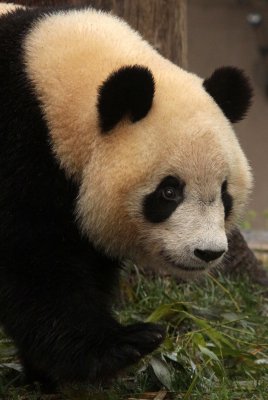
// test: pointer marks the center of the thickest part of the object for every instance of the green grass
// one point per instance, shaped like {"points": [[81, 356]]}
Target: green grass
{"points": [[216, 346]]}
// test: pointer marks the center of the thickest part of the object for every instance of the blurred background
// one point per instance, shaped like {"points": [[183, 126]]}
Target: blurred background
{"points": [[235, 32]]}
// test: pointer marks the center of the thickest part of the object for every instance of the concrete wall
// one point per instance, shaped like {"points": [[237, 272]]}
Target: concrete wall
{"points": [[218, 34]]}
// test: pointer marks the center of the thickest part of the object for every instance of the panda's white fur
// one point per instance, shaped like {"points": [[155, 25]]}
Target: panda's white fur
{"points": [[68, 56], [8, 7]]}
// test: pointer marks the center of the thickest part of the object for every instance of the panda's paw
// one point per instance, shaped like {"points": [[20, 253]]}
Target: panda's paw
{"points": [[141, 339], [126, 347]]}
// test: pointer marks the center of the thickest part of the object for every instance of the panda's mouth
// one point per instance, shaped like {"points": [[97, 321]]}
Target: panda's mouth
{"points": [[174, 264]]}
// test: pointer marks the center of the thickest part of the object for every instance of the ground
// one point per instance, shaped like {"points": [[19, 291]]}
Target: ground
{"points": [[216, 346]]}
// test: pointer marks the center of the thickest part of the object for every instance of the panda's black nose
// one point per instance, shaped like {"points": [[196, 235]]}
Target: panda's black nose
{"points": [[208, 255]]}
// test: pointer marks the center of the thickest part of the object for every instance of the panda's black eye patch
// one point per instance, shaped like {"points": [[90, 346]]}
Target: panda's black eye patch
{"points": [[227, 199], [163, 201]]}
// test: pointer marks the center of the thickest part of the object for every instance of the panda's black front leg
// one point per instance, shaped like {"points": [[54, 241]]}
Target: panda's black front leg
{"points": [[90, 358], [58, 311], [99, 363]]}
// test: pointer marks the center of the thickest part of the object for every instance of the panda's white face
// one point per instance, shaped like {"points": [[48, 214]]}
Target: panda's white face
{"points": [[184, 225], [183, 219], [167, 203]]}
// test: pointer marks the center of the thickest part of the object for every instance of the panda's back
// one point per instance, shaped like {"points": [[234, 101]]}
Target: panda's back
{"points": [[33, 188]]}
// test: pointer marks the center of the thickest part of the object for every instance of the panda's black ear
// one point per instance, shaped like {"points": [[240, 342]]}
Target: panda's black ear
{"points": [[231, 90], [126, 92]]}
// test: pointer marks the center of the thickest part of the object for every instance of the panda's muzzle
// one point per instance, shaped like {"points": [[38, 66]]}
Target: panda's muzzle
{"points": [[175, 264], [207, 256]]}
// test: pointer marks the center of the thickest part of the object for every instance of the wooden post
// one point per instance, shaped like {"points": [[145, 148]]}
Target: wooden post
{"points": [[161, 22]]}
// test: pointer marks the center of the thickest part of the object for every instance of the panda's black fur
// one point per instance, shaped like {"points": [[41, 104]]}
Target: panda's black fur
{"points": [[55, 289]]}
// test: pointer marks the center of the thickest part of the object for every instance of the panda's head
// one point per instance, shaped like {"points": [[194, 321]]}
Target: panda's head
{"points": [[167, 179], [162, 176]]}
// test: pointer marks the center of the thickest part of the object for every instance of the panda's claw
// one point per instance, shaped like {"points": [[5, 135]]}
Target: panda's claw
{"points": [[145, 337]]}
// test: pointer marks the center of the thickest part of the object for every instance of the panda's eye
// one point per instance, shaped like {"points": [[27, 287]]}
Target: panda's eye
{"points": [[169, 193], [163, 201]]}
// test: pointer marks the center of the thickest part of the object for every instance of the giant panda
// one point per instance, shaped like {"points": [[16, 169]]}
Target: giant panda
{"points": [[108, 152]]}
